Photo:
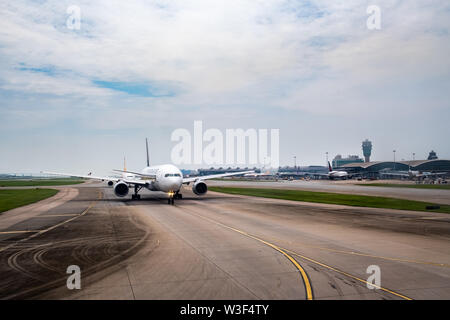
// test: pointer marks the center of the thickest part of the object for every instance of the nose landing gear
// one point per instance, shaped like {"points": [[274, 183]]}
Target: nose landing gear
{"points": [[173, 196]]}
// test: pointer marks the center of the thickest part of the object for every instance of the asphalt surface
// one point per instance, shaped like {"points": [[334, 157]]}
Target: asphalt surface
{"points": [[218, 247]]}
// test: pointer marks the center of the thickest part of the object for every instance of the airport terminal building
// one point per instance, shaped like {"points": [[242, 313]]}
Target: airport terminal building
{"points": [[375, 168]]}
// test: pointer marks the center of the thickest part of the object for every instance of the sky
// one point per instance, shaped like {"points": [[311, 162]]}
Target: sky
{"points": [[79, 100]]}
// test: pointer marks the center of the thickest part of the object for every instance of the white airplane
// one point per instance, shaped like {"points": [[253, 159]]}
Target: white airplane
{"points": [[124, 174], [166, 178], [411, 174], [333, 174], [256, 174]]}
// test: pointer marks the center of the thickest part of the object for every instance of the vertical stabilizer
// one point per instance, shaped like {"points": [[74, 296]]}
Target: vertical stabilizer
{"points": [[329, 167], [124, 164], [148, 157]]}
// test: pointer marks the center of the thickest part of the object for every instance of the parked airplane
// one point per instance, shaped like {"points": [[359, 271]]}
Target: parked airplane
{"points": [[166, 178]]}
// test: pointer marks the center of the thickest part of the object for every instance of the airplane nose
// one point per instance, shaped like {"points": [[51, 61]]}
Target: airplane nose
{"points": [[174, 184]]}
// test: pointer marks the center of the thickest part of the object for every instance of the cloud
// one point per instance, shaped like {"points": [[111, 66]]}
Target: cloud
{"points": [[144, 89], [218, 47], [135, 64]]}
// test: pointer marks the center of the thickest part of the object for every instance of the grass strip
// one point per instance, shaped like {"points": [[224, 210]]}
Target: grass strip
{"points": [[13, 198], [334, 198], [39, 182], [414, 186]]}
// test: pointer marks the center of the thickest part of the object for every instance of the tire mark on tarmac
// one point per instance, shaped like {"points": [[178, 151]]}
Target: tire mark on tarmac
{"points": [[52, 227], [25, 247]]}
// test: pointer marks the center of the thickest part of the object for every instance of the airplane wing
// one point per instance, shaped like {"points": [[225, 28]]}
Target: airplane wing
{"points": [[317, 174], [304, 173], [82, 176], [143, 182], [214, 176], [143, 176], [426, 174]]}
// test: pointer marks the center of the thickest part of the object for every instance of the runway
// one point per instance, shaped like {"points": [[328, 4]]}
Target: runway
{"points": [[219, 247]]}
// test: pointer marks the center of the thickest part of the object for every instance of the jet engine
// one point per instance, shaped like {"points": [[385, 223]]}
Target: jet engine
{"points": [[199, 188], [121, 189]]}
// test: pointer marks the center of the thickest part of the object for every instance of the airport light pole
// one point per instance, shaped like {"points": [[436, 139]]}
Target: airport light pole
{"points": [[327, 157], [295, 163], [414, 156], [394, 158]]}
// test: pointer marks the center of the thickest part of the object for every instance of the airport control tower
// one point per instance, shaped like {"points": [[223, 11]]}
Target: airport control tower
{"points": [[367, 149]]}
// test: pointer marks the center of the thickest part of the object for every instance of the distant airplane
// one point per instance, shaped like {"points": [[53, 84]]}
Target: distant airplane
{"points": [[258, 174], [415, 174], [125, 174], [333, 174], [166, 178]]}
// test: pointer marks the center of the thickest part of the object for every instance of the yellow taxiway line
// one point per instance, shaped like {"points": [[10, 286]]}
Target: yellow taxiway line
{"points": [[306, 281], [308, 288], [348, 275], [431, 263]]}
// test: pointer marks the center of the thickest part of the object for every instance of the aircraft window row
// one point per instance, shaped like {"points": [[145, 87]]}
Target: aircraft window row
{"points": [[172, 175]]}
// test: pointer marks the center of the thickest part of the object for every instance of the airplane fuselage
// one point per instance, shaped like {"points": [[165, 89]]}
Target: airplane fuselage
{"points": [[338, 175], [168, 178]]}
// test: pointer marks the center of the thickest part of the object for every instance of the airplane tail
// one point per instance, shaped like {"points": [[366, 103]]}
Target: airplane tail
{"points": [[329, 167], [148, 157], [124, 164]]}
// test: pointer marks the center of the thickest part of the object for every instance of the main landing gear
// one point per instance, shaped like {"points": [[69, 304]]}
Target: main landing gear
{"points": [[136, 196]]}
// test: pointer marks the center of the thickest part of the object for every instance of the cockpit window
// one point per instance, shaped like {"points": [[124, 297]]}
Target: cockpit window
{"points": [[172, 175]]}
